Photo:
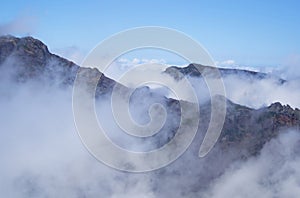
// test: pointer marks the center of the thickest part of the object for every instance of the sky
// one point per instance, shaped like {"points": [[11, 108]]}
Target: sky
{"points": [[250, 33]]}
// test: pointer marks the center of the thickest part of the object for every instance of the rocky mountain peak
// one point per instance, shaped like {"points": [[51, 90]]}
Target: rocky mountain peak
{"points": [[23, 48], [30, 58]]}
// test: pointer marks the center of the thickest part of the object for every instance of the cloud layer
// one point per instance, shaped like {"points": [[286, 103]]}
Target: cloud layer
{"points": [[42, 155]]}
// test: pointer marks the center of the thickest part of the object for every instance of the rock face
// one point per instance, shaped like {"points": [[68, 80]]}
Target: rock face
{"points": [[30, 58], [25, 49], [245, 128], [249, 129]]}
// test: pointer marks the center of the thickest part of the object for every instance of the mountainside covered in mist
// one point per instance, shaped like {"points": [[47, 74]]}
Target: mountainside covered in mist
{"points": [[258, 147], [244, 127]]}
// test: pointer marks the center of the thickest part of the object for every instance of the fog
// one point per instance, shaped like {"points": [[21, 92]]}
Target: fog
{"points": [[256, 93], [274, 173], [42, 154]]}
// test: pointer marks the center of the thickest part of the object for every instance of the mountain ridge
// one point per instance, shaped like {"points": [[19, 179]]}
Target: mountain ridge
{"points": [[244, 127], [196, 70]]}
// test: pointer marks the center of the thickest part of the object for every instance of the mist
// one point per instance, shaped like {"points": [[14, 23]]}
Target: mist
{"points": [[274, 173], [254, 92], [42, 154]]}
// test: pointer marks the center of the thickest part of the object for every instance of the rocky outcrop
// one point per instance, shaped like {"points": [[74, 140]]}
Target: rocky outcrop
{"points": [[249, 129]]}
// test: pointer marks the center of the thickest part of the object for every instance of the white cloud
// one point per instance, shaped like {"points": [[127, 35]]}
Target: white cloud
{"points": [[229, 62], [42, 155], [122, 65], [274, 173], [71, 53], [234, 65], [252, 92], [290, 68], [225, 63]]}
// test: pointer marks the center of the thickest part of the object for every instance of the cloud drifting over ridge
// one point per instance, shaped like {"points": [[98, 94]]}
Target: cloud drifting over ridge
{"points": [[246, 89]]}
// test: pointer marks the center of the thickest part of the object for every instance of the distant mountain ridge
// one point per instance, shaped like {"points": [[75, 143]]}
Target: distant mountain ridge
{"points": [[195, 70]]}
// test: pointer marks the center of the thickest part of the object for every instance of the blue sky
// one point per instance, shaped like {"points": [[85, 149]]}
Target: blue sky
{"points": [[252, 33]]}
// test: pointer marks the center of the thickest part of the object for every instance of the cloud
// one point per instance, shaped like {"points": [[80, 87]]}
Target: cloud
{"points": [[42, 155], [225, 63], [261, 92], [122, 65], [274, 173], [290, 68], [234, 65], [20, 26], [72, 53], [254, 92]]}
